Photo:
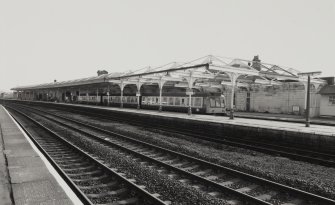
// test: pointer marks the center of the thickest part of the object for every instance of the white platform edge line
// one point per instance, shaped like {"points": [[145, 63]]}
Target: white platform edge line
{"points": [[73, 197]]}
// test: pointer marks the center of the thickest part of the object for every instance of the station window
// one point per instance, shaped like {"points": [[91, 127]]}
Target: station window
{"points": [[184, 101], [177, 101], [164, 100], [332, 100], [170, 100], [212, 102], [117, 99], [197, 102], [222, 102], [217, 102]]}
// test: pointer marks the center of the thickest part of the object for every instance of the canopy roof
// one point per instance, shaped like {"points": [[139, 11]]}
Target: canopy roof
{"points": [[213, 71]]}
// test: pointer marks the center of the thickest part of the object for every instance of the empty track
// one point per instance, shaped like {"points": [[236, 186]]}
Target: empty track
{"points": [[91, 180], [325, 159], [211, 178]]}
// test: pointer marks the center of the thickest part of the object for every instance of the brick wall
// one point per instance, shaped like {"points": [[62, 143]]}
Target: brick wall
{"points": [[275, 99]]}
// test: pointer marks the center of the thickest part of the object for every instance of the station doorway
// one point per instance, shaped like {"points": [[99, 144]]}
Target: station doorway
{"points": [[248, 102]]}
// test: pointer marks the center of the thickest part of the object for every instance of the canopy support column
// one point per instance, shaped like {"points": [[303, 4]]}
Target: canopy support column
{"points": [[78, 98], [57, 95], [233, 77], [306, 91], [122, 85], [97, 96], [160, 84], [108, 95], [138, 93], [190, 80], [71, 93], [308, 101], [189, 104]]}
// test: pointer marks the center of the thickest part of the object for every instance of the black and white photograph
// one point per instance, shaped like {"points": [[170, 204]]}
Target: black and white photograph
{"points": [[218, 102]]}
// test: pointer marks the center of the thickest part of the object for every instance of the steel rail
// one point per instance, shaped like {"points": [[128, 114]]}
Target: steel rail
{"points": [[203, 162], [132, 185], [294, 153], [251, 117], [59, 170], [246, 197]]}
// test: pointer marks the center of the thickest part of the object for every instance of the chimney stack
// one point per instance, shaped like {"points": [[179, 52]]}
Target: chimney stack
{"points": [[101, 72], [256, 63]]}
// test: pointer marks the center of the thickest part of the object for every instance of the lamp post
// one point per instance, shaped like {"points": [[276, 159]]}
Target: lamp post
{"points": [[308, 74]]}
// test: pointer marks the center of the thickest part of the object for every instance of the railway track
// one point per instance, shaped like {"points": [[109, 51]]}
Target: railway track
{"points": [[208, 177], [306, 155], [91, 180]]}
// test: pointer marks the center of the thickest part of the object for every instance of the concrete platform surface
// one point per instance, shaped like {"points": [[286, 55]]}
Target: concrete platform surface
{"points": [[263, 120], [258, 123], [323, 120], [24, 176], [319, 138]]}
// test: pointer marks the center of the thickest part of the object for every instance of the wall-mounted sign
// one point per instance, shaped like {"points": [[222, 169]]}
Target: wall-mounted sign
{"points": [[295, 108]]}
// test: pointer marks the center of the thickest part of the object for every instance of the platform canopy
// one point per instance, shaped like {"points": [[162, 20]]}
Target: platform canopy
{"points": [[68, 83], [213, 71], [208, 71]]}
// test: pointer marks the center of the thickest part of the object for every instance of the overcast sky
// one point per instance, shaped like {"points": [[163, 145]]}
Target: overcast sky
{"points": [[67, 39]]}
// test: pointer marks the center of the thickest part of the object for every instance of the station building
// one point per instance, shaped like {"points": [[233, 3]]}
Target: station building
{"points": [[288, 98], [254, 85], [327, 99]]}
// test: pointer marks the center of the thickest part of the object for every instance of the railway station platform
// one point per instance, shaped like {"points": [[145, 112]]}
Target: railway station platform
{"points": [[25, 176], [284, 122], [320, 138], [266, 122], [324, 120]]}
